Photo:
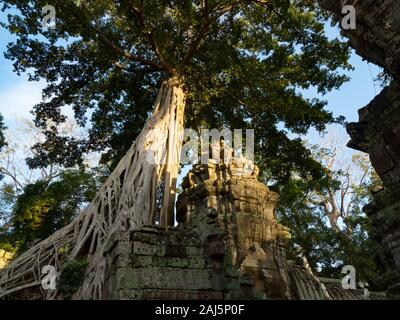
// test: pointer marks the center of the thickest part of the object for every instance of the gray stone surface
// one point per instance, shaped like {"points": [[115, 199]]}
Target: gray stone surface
{"points": [[377, 39]]}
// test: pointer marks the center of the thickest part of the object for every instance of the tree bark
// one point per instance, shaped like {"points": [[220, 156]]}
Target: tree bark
{"points": [[126, 201], [332, 214], [152, 158]]}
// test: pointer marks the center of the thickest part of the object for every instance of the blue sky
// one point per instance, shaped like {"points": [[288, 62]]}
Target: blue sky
{"points": [[18, 96]]}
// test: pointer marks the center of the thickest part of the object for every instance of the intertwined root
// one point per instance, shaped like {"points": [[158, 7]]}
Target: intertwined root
{"points": [[127, 200]]}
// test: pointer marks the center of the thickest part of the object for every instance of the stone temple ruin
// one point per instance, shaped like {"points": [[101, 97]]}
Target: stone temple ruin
{"points": [[227, 245], [5, 258]]}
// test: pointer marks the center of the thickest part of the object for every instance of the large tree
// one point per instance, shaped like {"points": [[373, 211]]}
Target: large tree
{"points": [[241, 64], [327, 223], [237, 64]]}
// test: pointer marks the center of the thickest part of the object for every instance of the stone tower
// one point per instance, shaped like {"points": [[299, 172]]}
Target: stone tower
{"points": [[227, 244], [226, 204]]}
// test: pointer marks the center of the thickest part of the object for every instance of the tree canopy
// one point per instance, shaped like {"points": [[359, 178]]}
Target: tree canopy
{"points": [[327, 223], [242, 63], [46, 206]]}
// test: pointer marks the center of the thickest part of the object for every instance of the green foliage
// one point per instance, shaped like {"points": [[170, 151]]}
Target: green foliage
{"points": [[242, 62], [71, 278], [45, 207], [328, 251], [7, 247], [2, 138]]}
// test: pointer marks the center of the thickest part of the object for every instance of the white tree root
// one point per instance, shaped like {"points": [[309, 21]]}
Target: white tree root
{"points": [[126, 201]]}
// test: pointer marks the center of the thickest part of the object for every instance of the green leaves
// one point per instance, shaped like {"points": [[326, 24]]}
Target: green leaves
{"points": [[242, 62], [2, 137], [72, 277], [301, 208], [45, 207]]}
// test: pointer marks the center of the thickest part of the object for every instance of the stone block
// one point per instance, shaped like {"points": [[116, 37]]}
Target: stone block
{"points": [[177, 262], [137, 261], [194, 251], [168, 294], [3, 263], [157, 261], [165, 278], [175, 251], [196, 263], [122, 247], [127, 278], [216, 248], [142, 248], [130, 295], [209, 295], [123, 260], [217, 279], [148, 237]]}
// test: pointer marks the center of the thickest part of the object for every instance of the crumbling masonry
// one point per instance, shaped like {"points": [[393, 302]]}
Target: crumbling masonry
{"points": [[377, 39], [227, 245]]}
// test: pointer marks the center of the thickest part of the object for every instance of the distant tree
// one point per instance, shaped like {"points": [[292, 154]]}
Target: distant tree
{"points": [[45, 207], [6, 191], [2, 137], [27, 195], [328, 225]]}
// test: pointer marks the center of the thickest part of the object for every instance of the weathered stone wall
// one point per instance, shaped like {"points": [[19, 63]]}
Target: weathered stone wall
{"points": [[377, 39], [228, 244], [230, 198], [5, 258], [378, 133], [377, 36], [159, 264]]}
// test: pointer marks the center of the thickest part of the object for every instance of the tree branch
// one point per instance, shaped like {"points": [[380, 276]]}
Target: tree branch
{"points": [[118, 49], [204, 28], [151, 37], [13, 177]]}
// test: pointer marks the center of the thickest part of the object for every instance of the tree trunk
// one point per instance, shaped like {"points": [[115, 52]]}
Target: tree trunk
{"points": [[332, 214], [126, 201], [333, 221], [152, 158]]}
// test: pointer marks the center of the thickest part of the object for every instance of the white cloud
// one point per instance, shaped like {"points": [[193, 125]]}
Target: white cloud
{"points": [[17, 100]]}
